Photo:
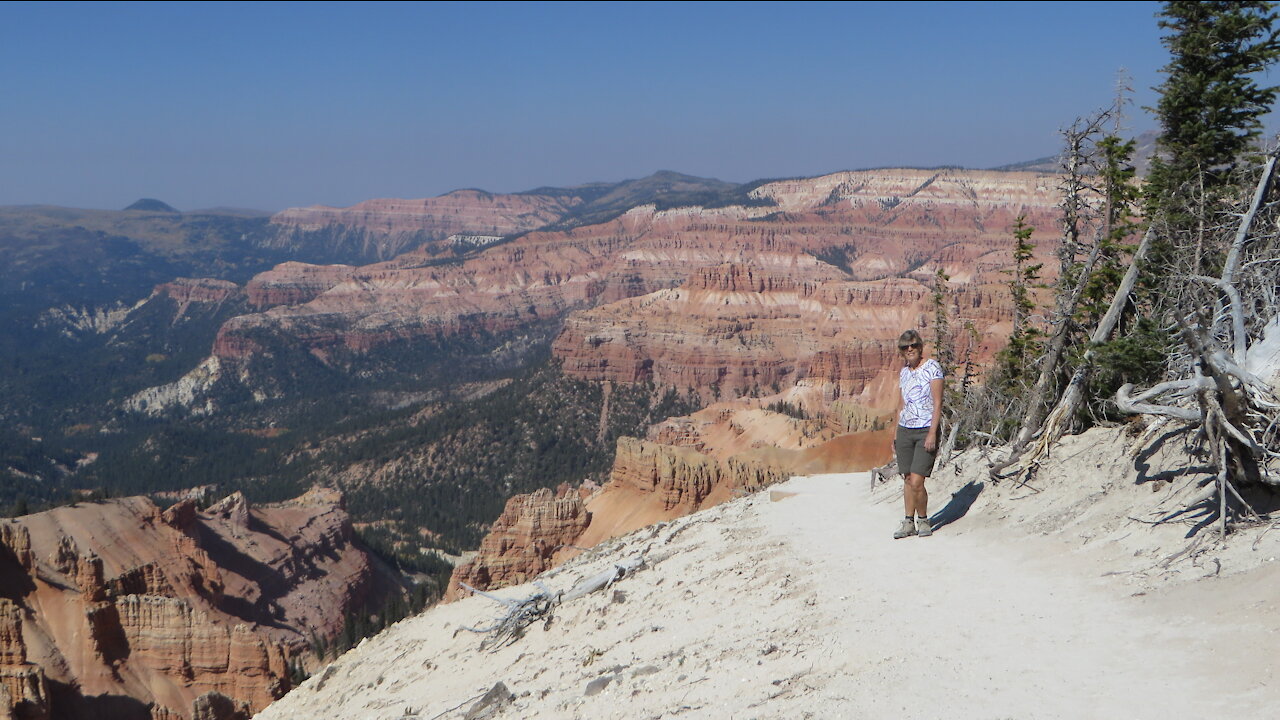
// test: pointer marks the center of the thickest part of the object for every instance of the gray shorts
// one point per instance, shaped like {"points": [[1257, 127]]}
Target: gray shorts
{"points": [[912, 457]]}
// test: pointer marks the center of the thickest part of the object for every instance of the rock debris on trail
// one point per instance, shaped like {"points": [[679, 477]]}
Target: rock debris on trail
{"points": [[796, 602]]}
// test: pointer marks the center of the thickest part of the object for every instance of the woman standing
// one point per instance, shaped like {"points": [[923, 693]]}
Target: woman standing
{"points": [[916, 444]]}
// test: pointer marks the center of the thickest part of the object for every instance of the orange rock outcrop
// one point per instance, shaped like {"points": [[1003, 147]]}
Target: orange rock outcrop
{"points": [[649, 482], [533, 530]]}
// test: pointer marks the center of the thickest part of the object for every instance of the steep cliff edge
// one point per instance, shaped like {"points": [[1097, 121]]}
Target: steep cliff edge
{"points": [[119, 608], [687, 464], [533, 531]]}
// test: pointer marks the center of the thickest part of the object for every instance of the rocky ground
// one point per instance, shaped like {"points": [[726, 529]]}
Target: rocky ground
{"points": [[1064, 598]]}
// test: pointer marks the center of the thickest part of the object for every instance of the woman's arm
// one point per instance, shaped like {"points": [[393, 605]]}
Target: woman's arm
{"points": [[935, 390], [897, 415]]}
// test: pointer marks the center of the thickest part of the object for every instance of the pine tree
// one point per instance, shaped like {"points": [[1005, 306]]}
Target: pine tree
{"points": [[944, 347], [1120, 195], [1210, 112], [1023, 343]]}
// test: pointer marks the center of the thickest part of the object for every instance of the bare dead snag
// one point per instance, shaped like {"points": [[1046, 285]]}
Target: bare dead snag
{"points": [[1232, 265], [1138, 405], [1235, 412], [1222, 491], [944, 452], [1107, 324], [1235, 311]]}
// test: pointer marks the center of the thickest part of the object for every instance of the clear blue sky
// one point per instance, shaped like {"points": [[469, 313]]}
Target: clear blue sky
{"points": [[275, 105]]}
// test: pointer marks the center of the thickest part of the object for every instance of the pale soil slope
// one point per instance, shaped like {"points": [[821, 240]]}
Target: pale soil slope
{"points": [[795, 602]]}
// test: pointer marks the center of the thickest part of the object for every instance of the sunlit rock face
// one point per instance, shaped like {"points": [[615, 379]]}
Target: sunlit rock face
{"points": [[649, 482], [745, 295], [823, 292], [118, 604]]}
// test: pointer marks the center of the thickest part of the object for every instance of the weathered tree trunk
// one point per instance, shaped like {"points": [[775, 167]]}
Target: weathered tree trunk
{"points": [[1036, 409], [1107, 324], [1232, 265], [1235, 310]]}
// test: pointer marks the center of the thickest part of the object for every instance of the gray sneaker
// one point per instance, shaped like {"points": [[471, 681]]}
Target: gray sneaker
{"points": [[923, 527], [907, 530]]}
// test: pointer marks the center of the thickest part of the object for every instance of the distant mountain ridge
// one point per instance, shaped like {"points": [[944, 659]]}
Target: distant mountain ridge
{"points": [[152, 205], [664, 189], [1144, 150], [460, 221]]}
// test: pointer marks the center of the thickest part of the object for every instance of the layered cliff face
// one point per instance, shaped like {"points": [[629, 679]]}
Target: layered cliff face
{"points": [[186, 291], [652, 482], [850, 266], [384, 228], [294, 283], [687, 464], [24, 687], [353, 310], [746, 295], [119, 608]]}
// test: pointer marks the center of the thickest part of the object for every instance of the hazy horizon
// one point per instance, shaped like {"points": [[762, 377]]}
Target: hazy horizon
{"points": [[267, 106]]}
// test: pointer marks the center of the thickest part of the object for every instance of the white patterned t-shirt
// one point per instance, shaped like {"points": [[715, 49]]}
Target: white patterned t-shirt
{"points": [[917, 400]]}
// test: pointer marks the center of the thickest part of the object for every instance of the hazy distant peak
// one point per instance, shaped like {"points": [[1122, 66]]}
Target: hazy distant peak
{"points": [[670, 175], [152, 205]]}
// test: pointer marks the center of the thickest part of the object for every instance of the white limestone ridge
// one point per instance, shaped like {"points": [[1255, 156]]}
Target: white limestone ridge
{"points": [[73, 320], [190, 391], [475, 241]]}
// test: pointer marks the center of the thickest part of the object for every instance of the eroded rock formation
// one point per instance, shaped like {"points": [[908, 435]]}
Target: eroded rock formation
{"points": [[525, 540], [798, 304], [294, 283], [186, 291], [722, 300], [120, 605]]}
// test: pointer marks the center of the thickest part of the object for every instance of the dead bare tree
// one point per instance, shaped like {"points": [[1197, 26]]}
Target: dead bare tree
{"points": [[1235, 413]]}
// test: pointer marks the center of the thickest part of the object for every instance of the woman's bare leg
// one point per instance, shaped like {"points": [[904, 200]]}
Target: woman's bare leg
{"points": [[914, 496]]}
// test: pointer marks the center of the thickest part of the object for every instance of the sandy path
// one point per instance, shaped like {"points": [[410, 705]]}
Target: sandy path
{"points": [[797, 603], [984, 622]]}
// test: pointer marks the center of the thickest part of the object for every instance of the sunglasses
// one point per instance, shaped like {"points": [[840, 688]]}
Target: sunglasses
{"points": [[912, 346]]}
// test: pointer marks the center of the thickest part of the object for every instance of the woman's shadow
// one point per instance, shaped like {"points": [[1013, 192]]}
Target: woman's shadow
{"points": [[961, 501]]}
